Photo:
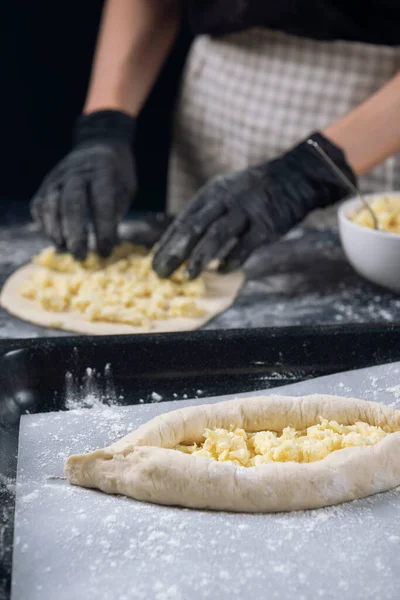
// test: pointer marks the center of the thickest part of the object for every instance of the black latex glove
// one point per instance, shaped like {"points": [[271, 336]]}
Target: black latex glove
{"points": [[145, 230], [96, 182], [234, 214]]}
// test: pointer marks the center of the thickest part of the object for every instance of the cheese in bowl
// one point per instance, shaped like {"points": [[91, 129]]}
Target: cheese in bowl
{"points": [[373, 253], [387, 211]]}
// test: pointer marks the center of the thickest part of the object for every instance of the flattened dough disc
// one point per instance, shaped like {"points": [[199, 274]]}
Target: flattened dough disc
{"points": [[221, 291]]}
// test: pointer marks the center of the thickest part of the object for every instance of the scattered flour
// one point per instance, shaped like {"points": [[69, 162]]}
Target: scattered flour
{"points": [[191, 553], [93, 390], [395, 390], [30, 497], [171, 553]]}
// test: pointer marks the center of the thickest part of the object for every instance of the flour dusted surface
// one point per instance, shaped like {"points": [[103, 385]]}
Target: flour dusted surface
{"points": [[291, 287], [118, 548]]}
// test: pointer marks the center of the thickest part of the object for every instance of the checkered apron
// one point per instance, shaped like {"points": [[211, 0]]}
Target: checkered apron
{"points": [[248, 97]]}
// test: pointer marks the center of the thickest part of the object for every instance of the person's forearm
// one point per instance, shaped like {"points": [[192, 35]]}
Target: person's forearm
{"points": [[134, 41], [371, 132]]}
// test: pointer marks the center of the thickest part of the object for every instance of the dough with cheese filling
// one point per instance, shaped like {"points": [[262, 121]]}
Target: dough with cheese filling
{"points": [[146, 464]]}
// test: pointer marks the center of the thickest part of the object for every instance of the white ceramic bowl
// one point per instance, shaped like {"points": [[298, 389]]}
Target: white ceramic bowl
{"points": [[373, 254]]}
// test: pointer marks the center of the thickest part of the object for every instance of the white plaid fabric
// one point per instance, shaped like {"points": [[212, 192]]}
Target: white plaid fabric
{"points": [[248, 97]]}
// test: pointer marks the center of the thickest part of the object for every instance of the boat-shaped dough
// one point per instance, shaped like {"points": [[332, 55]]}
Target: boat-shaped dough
{"points": [[147, 465]]}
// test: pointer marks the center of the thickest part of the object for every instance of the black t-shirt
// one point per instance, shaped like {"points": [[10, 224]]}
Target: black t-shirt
{"points": [[370, 21]]}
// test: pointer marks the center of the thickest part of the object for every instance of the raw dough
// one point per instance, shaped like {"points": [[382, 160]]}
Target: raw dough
{"points": [[117, 295], [145, 465]]}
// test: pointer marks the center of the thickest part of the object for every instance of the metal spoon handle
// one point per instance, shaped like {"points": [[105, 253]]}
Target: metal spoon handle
{"points": [[349, 184]]}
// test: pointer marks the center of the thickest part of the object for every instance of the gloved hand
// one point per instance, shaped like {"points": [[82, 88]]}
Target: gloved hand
{"points": [[96, 182], [234, 214], [145, 230]]}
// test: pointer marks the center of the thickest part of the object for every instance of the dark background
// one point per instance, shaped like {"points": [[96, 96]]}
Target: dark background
{"points": [[46, 50]]}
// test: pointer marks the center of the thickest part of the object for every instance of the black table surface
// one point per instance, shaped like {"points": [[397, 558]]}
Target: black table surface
{"points": [[302, 280]]}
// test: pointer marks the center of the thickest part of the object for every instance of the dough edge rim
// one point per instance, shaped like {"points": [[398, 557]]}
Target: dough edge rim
{"points": [[277, 477]]}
